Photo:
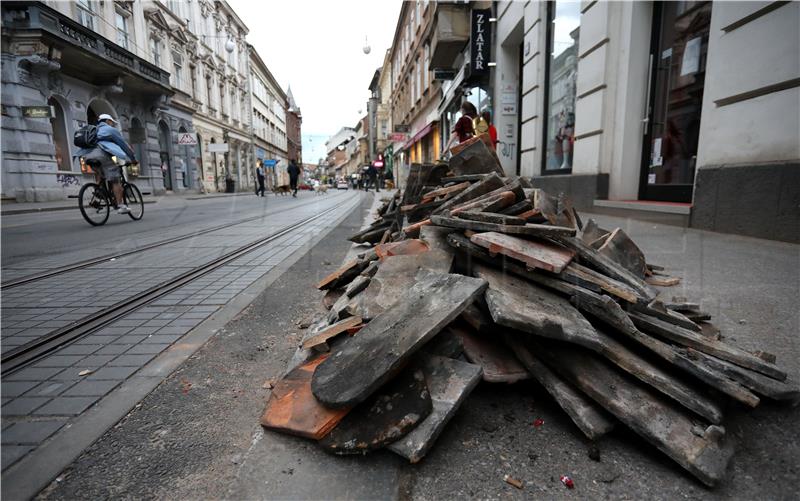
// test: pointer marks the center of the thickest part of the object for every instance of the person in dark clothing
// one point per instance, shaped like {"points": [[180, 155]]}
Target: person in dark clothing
{"points": [[294, 173], [260, 175], [372, 172]]}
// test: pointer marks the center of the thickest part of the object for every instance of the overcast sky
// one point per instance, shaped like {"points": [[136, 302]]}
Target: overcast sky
{"points": [[316, 47]]}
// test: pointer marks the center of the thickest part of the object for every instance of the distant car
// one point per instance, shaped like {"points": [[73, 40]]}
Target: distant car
{"points": [[342, 185]]}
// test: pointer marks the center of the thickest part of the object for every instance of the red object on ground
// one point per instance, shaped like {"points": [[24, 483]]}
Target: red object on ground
{"points": [[539, 422], [567, 481]]}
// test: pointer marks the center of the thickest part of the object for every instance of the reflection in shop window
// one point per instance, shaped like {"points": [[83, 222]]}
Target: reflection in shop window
{"points": [[562, 76]]}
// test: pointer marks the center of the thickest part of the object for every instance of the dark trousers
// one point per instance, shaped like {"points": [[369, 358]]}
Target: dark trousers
{"points": [[293, 185], [260, 189]]}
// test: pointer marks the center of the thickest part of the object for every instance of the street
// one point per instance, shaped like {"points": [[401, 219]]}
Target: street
{"points": [[55, 386], [197, 434]]}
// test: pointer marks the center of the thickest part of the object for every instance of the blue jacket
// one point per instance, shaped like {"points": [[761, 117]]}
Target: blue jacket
{"points": [[110, 140]]}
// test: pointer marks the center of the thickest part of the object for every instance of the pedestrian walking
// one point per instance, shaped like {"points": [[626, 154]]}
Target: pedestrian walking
{"points": [[294, 173], [372, 172], [261, 177]]}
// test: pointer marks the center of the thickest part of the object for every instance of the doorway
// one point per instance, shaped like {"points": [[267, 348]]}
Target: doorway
{"points": [[163, 150], [679, 45]]}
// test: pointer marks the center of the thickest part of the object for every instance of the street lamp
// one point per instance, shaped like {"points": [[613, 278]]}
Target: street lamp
{"points": [[230, 45], [366, 47]]}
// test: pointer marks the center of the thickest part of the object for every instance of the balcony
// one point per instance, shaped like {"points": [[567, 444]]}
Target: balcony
{"points": [[450, 35], [84, 54]]}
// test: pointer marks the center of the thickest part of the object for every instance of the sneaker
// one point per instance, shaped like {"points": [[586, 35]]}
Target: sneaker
{"points": [[123, 209]]}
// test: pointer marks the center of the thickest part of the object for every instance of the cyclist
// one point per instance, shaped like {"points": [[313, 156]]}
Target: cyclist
{"points": [[109, 143]]}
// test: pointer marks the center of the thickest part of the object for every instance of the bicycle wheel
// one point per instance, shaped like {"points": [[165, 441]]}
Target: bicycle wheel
{"points": [[133, 199], [94, 204]]}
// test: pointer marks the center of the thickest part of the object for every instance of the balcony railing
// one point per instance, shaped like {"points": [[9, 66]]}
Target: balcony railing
{"points": [[35, 16]]}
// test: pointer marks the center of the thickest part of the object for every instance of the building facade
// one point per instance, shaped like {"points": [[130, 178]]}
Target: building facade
{"points": [[269, 120], [294, 124], [218, 76], [415, 95], [176, 74], [671, 109], [64, 64]]}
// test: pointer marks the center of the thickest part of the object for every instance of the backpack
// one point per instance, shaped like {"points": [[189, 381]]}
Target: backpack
{"points": [[86, 137], [480, 125]]}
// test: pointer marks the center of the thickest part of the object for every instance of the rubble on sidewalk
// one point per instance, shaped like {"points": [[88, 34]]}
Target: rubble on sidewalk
{"points": [[467, 276]]}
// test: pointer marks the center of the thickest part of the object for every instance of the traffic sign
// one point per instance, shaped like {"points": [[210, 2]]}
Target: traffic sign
{"points": [[187, 138]]}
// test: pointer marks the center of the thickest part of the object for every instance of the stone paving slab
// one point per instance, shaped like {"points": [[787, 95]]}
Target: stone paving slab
{"points": [[117, 351]]}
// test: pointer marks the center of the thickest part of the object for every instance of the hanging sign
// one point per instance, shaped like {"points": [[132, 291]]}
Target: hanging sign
{"points": [[218, 147], [187, 138], [480, 42]]}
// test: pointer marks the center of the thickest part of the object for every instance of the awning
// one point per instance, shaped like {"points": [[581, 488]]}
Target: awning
{"points": [[449, 92], [419, 135]]}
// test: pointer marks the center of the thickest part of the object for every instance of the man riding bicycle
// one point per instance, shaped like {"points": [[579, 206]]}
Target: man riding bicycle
{"points": [[109, 143]]}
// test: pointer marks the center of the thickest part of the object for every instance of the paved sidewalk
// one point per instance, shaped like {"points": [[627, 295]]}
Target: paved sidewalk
{"points": [[129, 355]]}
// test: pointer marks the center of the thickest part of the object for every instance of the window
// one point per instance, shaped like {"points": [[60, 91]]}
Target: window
{"points": [[425, 67], [86, 13], [177, 73], [561, 77], [417, 17], [222, 106], [208, 92], [417, 93], [121, 22], [155, 51], [193, 74], [175, 7]]}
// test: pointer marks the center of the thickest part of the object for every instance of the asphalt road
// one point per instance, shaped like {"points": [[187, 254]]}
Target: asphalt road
{"points": [[64, 233], [197, 435]]}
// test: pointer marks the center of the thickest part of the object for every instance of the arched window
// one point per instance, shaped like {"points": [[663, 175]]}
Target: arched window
{"points": [[58, 122], [185, 163], [96, 108]]}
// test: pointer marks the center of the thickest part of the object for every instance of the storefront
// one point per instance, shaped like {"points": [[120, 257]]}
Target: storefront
{"points": [[665, 108]]}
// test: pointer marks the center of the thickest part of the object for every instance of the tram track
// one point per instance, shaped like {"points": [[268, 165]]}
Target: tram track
{"points": [[22, 356], [35, 277]]}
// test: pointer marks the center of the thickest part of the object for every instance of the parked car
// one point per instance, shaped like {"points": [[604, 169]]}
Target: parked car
{"points": [[341, 184]]}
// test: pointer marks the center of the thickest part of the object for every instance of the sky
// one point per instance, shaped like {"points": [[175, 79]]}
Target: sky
{"points": [[316, 46]]}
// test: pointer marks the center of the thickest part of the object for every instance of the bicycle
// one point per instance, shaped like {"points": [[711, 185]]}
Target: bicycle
{"points": [[96, 200]]}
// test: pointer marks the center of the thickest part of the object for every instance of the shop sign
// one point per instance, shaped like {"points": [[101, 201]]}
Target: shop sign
{"points": [[397, 137], [480, 41], [271, 162], [508, 109], [260, 153], [402, 128], [187, 138], [38, 112], [218, 147]]}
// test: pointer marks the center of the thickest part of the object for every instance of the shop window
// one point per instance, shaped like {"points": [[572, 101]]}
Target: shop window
{"points": [[137, 137], [58, 122], [561, 70]]}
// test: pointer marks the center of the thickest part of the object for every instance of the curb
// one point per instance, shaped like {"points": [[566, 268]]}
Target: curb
{"points": [[32, 210]]}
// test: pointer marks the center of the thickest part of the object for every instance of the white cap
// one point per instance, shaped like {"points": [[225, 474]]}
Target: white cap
{"points": [[105, 116]]}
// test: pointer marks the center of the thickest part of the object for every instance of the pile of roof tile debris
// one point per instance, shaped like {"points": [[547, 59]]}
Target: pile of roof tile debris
{"points": [[473, 276]]}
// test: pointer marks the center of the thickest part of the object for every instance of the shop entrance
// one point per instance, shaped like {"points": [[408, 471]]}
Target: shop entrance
{"points": [[675, 98]]}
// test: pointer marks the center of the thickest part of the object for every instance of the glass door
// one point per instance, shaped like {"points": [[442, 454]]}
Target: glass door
{"points": [[675, 99]]}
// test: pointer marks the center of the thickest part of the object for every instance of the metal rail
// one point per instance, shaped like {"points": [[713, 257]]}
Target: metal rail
{"points": [[35, 277], [21, 356]]}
